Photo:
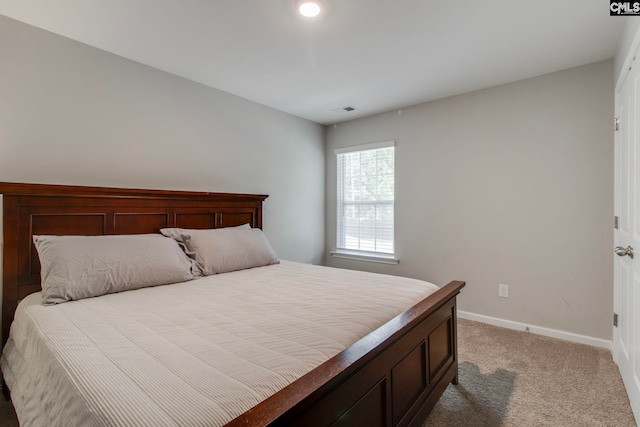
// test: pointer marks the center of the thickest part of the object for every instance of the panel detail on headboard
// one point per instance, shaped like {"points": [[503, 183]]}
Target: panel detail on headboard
{"points": [[139, 222], [69, 223], [195, 220], [230, 218], [32, 209]]}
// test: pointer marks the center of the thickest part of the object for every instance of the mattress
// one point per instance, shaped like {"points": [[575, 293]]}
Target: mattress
{"points": [[197, 353]]}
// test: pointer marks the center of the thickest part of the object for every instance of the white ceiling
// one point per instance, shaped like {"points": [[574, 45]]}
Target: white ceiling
{"points": [[376, 55]]}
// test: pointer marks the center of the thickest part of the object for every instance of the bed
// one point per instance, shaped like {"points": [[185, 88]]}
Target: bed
{"points": [[392, 374]]}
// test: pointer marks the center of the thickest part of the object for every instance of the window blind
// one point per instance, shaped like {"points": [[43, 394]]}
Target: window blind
{"points": [[365, 198]]}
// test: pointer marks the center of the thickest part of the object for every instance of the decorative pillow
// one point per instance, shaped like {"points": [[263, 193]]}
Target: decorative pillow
{"points": [[227, 249], [76, 267]]}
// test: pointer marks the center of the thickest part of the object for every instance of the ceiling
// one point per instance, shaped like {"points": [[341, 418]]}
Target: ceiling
{"points": [[374, 55]]}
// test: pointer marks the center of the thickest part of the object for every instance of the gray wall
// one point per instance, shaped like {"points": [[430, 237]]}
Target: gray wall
{"points": [[511, 184], [73, 114]]}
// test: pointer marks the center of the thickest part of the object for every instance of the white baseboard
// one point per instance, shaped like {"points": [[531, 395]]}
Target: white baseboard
{"points": [[539, 330]]}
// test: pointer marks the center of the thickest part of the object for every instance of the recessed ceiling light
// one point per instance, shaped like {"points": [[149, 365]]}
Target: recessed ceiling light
{"points": [[309, 8]]}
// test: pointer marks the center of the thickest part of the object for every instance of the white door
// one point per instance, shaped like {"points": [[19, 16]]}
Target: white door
{"points": [[626, 336]]}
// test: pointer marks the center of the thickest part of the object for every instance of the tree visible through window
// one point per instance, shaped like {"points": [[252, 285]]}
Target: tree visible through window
{"points": [[365, 198]]}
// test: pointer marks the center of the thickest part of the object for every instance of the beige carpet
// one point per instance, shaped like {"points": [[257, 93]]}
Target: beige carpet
{"points": [[512, 378]]}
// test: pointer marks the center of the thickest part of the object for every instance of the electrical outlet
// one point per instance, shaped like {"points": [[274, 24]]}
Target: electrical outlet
{"points": [[503, 291]]}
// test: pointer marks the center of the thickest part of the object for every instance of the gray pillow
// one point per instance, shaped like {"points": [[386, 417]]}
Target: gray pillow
{"points": [[77, 267], [176, 234], [222, 250]]}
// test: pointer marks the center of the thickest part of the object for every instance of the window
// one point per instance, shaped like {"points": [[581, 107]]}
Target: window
{"points": [[365, 193]]}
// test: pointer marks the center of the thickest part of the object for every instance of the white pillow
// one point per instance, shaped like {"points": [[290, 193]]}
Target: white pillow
{"points": [[222, 250], [76, 267]]}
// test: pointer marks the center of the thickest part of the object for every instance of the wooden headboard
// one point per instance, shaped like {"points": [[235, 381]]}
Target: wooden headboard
{"points": [[30, 209]]}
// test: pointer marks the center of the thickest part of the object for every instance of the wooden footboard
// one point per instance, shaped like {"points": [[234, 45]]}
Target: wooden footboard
{"points": [[392, 377]]}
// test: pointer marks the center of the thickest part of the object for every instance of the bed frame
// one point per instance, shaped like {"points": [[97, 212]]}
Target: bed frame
{"points": [[391, 377]]}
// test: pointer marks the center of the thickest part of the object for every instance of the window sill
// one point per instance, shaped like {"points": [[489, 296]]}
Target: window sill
{"points": [[361, 256]]}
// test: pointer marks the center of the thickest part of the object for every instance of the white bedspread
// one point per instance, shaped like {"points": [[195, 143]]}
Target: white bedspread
{"points": [[190, 354]]}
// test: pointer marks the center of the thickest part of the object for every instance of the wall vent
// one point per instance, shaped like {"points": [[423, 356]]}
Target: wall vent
{"points": [[347, 109]]}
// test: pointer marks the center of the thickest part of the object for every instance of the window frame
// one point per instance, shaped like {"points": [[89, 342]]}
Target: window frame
{"points": [[357, 254]]}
